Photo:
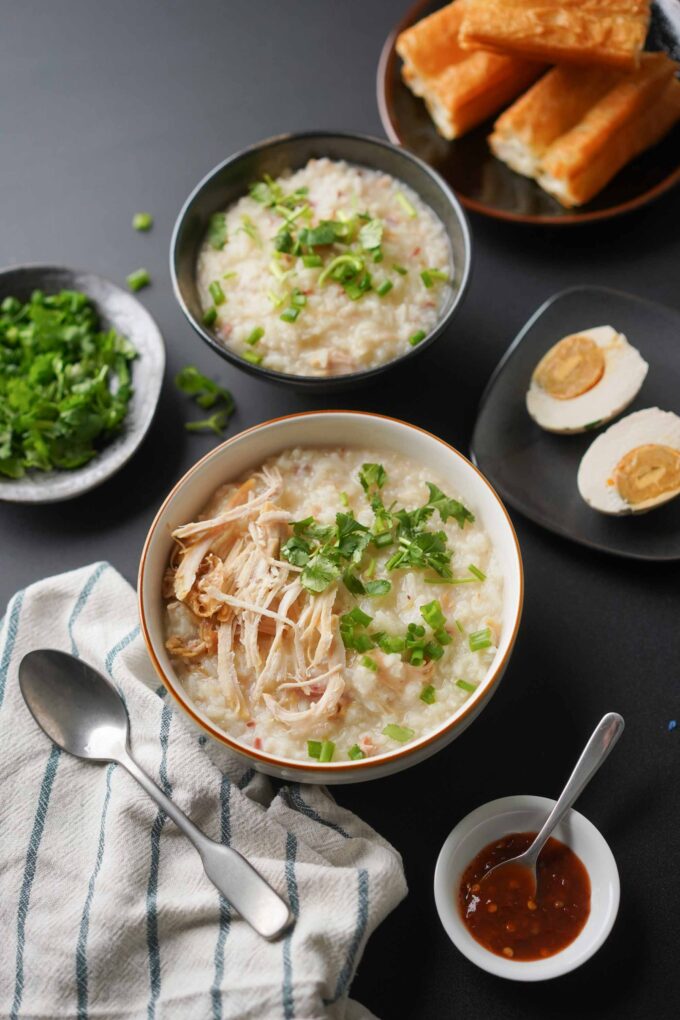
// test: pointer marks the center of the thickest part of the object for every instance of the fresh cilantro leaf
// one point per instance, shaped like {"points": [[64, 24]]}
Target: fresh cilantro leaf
{"points": [[449, 507], [319, 573], [372, 476]]}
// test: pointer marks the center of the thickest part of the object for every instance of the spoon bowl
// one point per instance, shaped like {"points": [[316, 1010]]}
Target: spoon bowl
{"points": [[82, 712]]}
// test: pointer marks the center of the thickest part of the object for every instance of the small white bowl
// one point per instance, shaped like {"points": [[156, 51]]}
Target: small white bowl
{"points": [[331, 428], [527, 814]]}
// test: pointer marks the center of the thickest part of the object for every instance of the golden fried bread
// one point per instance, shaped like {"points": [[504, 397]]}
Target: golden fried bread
{"points": [[609, 32], [580, 163], [551, 107], [460, 89]]}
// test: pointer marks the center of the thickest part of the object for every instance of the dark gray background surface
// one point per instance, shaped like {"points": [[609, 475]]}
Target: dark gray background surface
{"points": [[108, 109]]}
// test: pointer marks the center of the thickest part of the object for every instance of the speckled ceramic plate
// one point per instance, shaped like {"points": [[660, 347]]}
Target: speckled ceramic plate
{"points": [[534, 470], [118, 310], [484, 184]]}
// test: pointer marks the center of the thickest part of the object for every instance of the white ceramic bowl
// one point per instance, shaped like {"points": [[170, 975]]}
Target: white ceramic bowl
{"points": [[527, 814], [330, 428]]}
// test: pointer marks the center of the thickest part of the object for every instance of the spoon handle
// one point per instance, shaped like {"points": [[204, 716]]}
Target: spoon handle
{"points": [[601, 742], [234, 877]]}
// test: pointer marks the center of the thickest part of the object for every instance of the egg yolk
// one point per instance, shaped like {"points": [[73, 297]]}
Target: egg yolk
{"points": [[648, 473], [572, 367]]}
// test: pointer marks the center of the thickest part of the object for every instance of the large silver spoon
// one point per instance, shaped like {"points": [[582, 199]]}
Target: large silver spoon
{"points": [[84, 714], [523, 867]]}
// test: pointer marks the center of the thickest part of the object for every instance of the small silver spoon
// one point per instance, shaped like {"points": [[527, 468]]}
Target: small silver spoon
{"points": [[84, 714], [601, 742]]}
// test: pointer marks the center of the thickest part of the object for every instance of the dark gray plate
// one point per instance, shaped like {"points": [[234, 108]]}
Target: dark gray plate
{"points": [[535, 471], [120, 310]]}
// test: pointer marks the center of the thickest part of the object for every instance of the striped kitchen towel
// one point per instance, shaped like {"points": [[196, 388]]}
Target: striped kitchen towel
{"points": [[106, 912]]}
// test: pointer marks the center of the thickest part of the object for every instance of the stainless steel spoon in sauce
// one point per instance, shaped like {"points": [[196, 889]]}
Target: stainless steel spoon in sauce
{"points": [[84, 714], [602, 740]]}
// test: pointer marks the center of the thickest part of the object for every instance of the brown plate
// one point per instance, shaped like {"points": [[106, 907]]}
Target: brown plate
{"points": [[484, 184]]}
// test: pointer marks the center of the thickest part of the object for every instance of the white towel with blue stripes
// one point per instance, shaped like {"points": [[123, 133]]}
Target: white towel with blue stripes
{"points": [[105, 910]]}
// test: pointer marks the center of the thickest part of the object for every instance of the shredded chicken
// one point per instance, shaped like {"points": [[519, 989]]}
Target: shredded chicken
{"points": [[276, 645]]}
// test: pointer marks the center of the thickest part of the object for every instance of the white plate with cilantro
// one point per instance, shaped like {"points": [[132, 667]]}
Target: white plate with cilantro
{"points": [[81, 368]]}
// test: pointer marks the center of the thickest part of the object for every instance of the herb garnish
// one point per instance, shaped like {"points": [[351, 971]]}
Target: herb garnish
{"points": [[207, 394], [65, 383]]}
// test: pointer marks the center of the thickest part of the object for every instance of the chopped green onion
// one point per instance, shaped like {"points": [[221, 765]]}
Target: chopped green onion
{"points": [[476, 572], [433, 650], [255, 336], [249, 228], [276, 299], [480, 639], [355, 753], [400, 733], [407, 206], [356, 615], [443, 636], [230, 276], [356, 264], [209, 316], [378, 255], [140, 278], [370, 569], [217, 231], [314, 748], [399, 269], [216, 292], [327, 750], [459, 626], [384, 288], [142, 221], [289, 314], [465, 686], [383, 539], [415, 338], [427, 695], [298, 299], [369, 663], [252, 357], [344, 499], [312, 261], [390, 644], [276, 270], [432, 614], [429, 276]]}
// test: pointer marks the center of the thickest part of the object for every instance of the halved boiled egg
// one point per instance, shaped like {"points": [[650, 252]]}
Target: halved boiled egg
{"points": [[587, 378], [634, 465]]}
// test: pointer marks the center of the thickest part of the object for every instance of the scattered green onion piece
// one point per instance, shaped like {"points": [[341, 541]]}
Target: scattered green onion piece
{"points": [[476, 572], [480, 639], [459, 626], [432, 614], [407, 206], [465, 686], [384, 288], [253, 357], [217, 231], [399, 269], [370, 569], [383, 539], [415, 338], [298, 299], [344, 499], [427, 695], [356, 615], [216, 292], [276, 270], [391, 644], [400, 733], [378, 255], [429, 276], [142, 221], [230, 276], [355, 753], [276, 299], [312, 261], [255, 336], [369, 663], [443, 636], [289, 314], [314, 748], [209, 316], [327, 750], [140, 278]]}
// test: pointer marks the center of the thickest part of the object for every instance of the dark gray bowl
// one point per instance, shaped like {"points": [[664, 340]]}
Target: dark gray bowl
{"points": [[230, 180], [118, 310]]}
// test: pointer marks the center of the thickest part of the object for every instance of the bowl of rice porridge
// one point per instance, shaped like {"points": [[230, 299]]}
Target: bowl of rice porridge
{"points": [[319, 260], [332, 612]]}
